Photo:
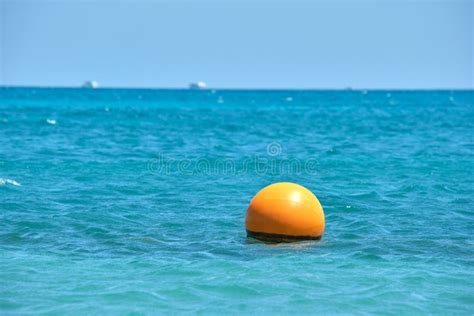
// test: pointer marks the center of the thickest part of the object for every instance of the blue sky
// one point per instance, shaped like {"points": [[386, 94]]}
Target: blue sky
{"points": [[238, 44]]}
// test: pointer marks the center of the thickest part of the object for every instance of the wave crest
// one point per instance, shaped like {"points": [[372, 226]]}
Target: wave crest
{"points": [[9, 181]]}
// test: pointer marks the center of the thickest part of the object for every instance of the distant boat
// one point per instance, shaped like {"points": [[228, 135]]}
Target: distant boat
{"points": [[90, 84], [198, 85]]}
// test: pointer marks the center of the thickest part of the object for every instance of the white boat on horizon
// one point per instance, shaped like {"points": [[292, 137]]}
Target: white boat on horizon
{"points": [[92, 84], [198, 85]]}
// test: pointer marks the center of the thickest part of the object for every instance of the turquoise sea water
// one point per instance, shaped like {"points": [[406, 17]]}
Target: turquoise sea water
{"points": [[133, 201]]}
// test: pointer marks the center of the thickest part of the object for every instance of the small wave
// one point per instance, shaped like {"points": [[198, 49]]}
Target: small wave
{"points": [[9, 181], [50, 121]]}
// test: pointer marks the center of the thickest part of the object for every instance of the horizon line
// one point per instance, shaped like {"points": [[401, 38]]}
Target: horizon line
{"points": [[236, 88]]}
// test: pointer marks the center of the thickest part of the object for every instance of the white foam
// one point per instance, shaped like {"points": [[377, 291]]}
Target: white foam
{"points": [[9, 181], [50, 121]]}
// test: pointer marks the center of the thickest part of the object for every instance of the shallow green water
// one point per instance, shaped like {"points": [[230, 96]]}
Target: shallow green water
{"points": [[120, 201]]}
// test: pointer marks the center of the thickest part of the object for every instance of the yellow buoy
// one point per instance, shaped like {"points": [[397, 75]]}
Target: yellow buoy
{"points": [[285, 211]]}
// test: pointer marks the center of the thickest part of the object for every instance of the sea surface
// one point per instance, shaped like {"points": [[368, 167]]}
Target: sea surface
{"points": [[130, 202]]}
